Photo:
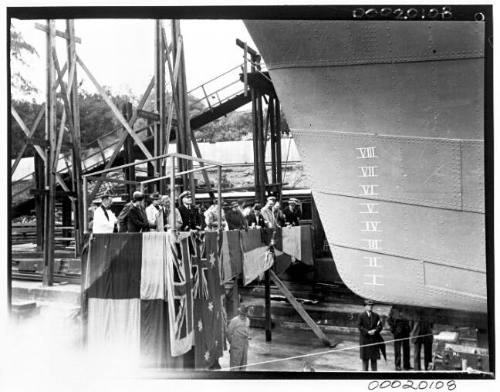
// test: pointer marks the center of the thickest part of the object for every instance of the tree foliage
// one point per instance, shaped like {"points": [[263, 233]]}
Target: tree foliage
{"points": [[19, 50], [96, 119], [234, 126]]}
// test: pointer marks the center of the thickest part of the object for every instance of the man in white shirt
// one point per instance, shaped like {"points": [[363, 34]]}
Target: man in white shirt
{"points": [[268, 213], [104, 219], [154, 212]]}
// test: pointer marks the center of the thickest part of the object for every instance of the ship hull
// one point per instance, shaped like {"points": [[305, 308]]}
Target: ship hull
{"points": [[388, 118]]}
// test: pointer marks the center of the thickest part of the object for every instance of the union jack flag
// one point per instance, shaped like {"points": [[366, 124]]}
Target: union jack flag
{"points": [[179, 295]]}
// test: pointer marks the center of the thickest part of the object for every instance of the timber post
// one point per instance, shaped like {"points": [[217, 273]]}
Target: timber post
{"points": [[50, 135]]}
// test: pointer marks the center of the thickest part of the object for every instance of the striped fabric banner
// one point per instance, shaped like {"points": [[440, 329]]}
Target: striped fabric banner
{"points": [[297, 243], [137, 307]]}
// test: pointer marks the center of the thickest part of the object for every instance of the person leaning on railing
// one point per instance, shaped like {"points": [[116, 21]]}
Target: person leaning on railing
{"points": [[104, 221], [234, 218], [268, 213], [292, 212], [191, 218], [137, 221], [212, 216], [255, 219], [165, 207]]}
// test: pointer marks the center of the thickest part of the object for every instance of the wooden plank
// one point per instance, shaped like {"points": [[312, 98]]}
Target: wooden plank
{"points": [[50, 134], [101, 150], [59, 140], [76, 147], [124, 135], [38, 149], [173, 81], [107, 179], [268, 323], [31, 133], [58, 33], [300, 310], [25, 129], [114, 109]]}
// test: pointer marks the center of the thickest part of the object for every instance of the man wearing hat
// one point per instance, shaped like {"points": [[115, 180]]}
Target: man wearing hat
{"points": [[369, 325], [292, 212], [238, 335], [191, 220], [104, 219], [268, 213], [154, 212], [137, 220], [255, 219]]}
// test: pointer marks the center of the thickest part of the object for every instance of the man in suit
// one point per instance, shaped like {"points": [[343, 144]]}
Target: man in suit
{"points": [[422, 336], [255, 218], [191, 219], [400, 328], [369, 325], [137, 221]]}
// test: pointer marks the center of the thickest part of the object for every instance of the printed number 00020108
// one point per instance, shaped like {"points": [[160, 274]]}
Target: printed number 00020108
{"points": [[415, 385]]}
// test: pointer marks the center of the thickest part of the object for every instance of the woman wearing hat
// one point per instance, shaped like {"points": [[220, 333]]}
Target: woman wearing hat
{"points": [[369, 325], [104, 219], [212, 217], [234, 218]]}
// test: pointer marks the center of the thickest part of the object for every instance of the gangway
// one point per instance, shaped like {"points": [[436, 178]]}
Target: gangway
{"points": [[220, 96]]}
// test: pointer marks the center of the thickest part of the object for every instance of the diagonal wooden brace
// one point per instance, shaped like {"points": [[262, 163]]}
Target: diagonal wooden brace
{"points": [[301, 311]]}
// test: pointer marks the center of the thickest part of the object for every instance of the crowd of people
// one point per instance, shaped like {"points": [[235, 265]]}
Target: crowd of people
{"points": [[153, 214], [418, 332]]}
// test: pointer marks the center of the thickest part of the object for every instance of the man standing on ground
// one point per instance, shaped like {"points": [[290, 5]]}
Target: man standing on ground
{"points": [[400, 328], [369, 325], [238, 335], [422, 336], [104, 219]]}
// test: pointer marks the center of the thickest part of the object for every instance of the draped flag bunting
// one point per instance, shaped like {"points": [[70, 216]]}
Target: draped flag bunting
{"points": [[128, 310], [180, 296], [208, 319], [231, 255], [297, 242], [256, 255]]}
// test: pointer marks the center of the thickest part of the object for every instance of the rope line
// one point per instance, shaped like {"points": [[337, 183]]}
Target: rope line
{"points": [[324, 352]]}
